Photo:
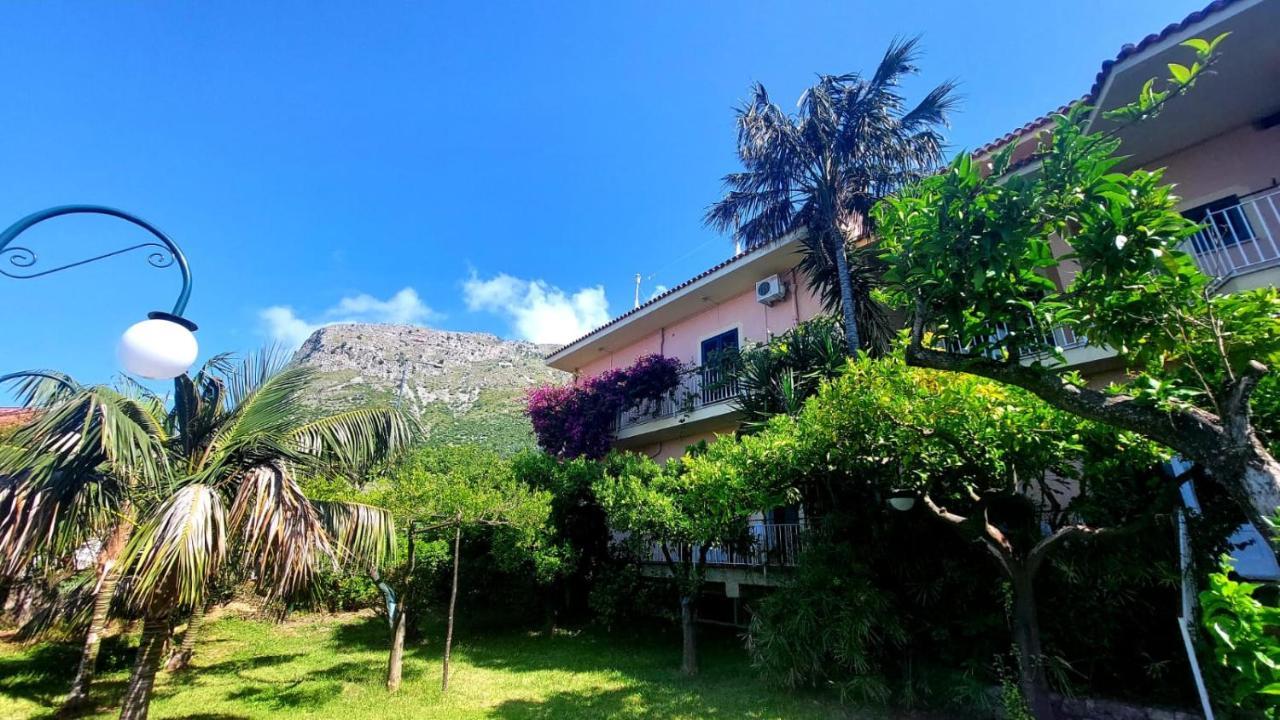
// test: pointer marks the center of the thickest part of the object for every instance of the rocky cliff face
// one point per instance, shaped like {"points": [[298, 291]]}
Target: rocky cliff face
{"points": [[464, 387]]}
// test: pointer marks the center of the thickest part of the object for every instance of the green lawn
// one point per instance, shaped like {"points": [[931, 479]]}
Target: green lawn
{"points": [[333, 667]]}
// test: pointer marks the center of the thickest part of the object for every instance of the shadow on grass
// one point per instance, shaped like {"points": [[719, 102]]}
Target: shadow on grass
{"points": [[649, 701], [42, 673], [626, 702]]}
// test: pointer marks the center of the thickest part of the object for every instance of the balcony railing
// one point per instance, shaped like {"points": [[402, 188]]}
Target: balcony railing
{"points": [[1239, 238], [1040, 344], [767, 545], [699, 387]]}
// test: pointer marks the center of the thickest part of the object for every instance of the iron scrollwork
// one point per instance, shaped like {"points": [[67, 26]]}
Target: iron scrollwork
{"points": [[20, 261]]}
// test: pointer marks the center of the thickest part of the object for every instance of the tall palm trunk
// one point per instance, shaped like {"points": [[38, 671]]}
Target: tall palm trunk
{"points": [[453, 602], [848, 299], [155, 634], [104, 592], [181, 658]]}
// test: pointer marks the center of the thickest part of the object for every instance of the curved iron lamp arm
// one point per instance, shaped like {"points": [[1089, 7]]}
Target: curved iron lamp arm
{"points": [[164, 254]]}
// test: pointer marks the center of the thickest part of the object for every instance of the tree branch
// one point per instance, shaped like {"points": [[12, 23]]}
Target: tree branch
{"points": [[996, 544], [1237, 405], [1196, 434], [1042, 548]]}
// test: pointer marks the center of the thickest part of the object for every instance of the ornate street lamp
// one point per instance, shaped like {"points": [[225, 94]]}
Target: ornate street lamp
{"points": [[161, 347]]}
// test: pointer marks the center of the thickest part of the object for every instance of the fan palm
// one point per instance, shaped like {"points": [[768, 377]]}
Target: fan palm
{"points": [[211, 480], [821, 170]]}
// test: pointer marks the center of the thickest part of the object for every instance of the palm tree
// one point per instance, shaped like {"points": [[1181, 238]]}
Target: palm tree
{"points": [[821, 171], [211, 480]]}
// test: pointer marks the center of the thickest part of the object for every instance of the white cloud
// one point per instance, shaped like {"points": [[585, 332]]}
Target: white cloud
{"points": [[538, 312], [403, 308], [657, 290]]}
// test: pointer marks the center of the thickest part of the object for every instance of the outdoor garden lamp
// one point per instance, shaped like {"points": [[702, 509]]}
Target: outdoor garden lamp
{"points": [[902, 500], [161, 347]]}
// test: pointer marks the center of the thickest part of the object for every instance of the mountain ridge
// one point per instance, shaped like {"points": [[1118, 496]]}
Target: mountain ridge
{"points": [[462, 386]]}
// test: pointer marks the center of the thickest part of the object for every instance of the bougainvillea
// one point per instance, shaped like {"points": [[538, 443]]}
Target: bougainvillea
{"points": [[578, 420]]}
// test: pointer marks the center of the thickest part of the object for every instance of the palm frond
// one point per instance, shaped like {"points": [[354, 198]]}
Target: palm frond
{"points": [[176, 551], [94, 426], [361, 534], [353, 441], [46, 512], [280, 534], [259, 427], [253, 372], [41, 388]]}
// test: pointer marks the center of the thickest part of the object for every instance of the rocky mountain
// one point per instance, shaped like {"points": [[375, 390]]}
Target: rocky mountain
{"points": [[464, 387]]}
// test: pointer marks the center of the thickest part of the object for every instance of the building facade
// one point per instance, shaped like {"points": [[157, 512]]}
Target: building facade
{"points": [[742, 301], [1219, 145]]}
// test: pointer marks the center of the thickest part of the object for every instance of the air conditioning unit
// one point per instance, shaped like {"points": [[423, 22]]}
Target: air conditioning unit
{"points": [[770, 290]]}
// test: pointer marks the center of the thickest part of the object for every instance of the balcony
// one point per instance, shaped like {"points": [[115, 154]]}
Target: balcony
{"points": [[1060, 337], [768, 545], [700, 389], [1238, 239]]}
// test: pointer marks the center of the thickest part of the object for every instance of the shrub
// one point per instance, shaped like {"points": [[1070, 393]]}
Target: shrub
{"points": [[1245, 635], [578, 420], [832, 624]]}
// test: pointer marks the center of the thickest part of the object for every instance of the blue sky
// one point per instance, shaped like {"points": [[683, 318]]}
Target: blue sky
{"points": [[470, 167]]}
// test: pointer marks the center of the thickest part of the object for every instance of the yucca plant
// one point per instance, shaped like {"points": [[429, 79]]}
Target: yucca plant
{"points": [[184, 489], [853, 140]]}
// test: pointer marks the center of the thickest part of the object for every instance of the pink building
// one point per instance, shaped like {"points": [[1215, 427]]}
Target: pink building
{"points": [[1219, 145], [742, 301]]}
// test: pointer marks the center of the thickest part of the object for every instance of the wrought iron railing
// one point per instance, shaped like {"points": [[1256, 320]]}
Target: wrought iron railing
{"points": [[1037, 344], [766, 545], [699, 387], [1239, 238]]}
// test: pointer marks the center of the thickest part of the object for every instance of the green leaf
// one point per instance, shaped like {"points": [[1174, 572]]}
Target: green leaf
{"points": [[1198, 44], [1180, 73]]}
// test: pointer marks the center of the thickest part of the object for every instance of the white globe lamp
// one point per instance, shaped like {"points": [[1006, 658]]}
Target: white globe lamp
{"points": [[162, 347], [902, 500]]}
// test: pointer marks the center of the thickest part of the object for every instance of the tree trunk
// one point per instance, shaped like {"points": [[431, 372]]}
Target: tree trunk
{"points": [[1026, 635], [181, 658], [1254, 482], [549, 597], [103, 594], [395, 665], [155, 633], [848, 302], [689, 635], [453, 603]]}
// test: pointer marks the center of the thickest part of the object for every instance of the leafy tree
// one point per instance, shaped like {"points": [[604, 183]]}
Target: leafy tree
{"points": [[992, 461], [968, 253], [181, 491], [684, 507], [457, 490], [820, 171], [579, 530]]}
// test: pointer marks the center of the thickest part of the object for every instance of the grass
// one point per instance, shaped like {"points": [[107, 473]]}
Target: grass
{"points": [[334, 667]]}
